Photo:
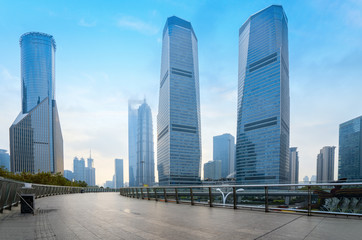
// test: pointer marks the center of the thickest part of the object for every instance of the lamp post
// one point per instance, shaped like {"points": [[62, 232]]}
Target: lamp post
{"points": [[225, 197]]}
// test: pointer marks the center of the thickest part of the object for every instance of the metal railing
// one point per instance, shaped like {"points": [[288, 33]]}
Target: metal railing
{"points": [[328, 198], [10, 191]]}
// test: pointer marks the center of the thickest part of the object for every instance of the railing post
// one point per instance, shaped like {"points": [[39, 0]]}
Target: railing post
{"points": [[210, 197], [309, 201], [142, 194], [155, 190], [266, 199], [234, 197], [148, 194], [164, 194], [176, 196], [192, 196], [137, 193], [133, 193]]}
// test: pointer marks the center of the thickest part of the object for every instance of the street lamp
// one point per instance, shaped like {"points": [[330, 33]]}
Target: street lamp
{"points": [[225, 197]]}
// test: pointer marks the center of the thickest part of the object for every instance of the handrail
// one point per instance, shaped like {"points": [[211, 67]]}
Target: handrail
{"points": [[327, 198], [10, 189]]}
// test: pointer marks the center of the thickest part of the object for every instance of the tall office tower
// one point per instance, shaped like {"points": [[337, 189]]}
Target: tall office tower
{"points": [[145, 152], [212, 170], [4, 159], [79, 169], [90, 172], [68, 175], [224, 150], [325, 165], [178, 119], [262, 147], [350, 150], [36, 142], [118, 166], [294, 165], [306, 179], [133, 106]]}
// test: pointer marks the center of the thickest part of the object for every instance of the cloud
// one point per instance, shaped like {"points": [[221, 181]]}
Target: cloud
{"points": [[84, 23], [138, 25]]}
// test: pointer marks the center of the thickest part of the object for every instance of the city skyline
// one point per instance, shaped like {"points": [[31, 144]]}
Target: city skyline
{"points": [[318, 59]]}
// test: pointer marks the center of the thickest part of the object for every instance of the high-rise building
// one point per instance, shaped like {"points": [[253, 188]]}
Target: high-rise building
{"points": [[4, 159], [118, 166], [224, 150], [294, 165], [262, 148], [325, 165], [90, 172], [306, 179], [313, 179], [36, 142], [178, 119], [68, 175], [133, 106], [212, 170], [350, 150], [145, 152], [79, 169]]}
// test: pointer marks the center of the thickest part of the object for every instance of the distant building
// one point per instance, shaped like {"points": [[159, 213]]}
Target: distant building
{"points": [[79, 169], [145, 151], [68, 175], [4, 159], [224, 150], [212, 170], [133, 106], [178, 119], [109, 184], [294, 165], [36, 142], [325, 165], [90, 172], [306, 180], [313, 179], [262, 148], [350, 150], [118, 164]]}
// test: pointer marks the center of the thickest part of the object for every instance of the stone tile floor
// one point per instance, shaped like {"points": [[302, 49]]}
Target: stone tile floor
{"points": [[111, 216]]}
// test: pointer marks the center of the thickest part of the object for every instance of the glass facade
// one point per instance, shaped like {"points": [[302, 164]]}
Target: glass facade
{"points": [[79, 169], [294, 165], [36, 142], [350, 150], [262, 148], [212, 170], [118, 179], [224, 150], [178, 120], [133, 106], [145, 152]]}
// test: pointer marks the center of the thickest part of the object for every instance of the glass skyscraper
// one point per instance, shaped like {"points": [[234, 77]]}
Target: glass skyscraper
{"points": [[178, 120], [145, 152], [325, 165], [224, 150], [79, 169], [118, 169], [262, 148], [133, 106], [350, 150], [36, 142], [294, 165]]}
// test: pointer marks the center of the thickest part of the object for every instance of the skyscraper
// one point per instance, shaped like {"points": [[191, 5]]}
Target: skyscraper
{"points": [[4, 159], [350, 150], [294, 165], [212, 170], [90, 172], [118, 169], [68, 175], [262, 148], [79, 169], [178, 119], [36, 142], [145, 152], [133, 106], [224, 150], [325, 165]]}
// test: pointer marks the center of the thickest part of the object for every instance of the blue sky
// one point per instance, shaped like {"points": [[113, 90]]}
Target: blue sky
{"points": [[110, 51]]}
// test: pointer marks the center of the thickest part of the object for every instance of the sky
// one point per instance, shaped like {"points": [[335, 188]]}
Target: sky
{"points": [[110, 51]]}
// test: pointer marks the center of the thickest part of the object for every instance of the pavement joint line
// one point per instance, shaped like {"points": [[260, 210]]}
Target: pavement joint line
{"points": [[314, 228], [278, 228]]}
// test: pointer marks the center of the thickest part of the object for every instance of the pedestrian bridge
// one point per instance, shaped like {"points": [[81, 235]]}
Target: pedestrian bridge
{"points": [[109, 215]]}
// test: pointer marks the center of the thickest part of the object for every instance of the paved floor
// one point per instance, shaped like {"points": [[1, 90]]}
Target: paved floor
{"points": [[111, 216]]}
